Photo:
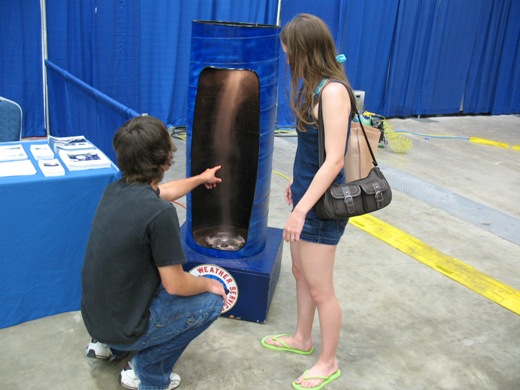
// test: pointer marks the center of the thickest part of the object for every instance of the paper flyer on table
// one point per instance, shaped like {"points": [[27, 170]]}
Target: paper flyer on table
{"points": [[84, 159], [17, 168], [42, 152], [51, 167], [12, 152], [69, 143]]}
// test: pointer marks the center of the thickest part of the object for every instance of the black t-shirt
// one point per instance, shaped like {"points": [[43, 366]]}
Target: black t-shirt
{"points": [[134, 231]]}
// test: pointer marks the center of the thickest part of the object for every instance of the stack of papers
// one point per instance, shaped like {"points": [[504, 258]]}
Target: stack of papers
{"points": [[42, 152], [14, 161], [76, 160], [12, 152], [51, 167], [17, 168], [69, 143]]}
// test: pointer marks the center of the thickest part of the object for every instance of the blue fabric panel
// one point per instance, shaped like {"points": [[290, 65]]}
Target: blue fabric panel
{"points": [[69, 36], [446, 69], [366, 41], [165, 45], [45, 223], [78, 109], [138, 53], [116, 50], [507, 96], [21, 77], [494, 54], [165, 42], [482, 76], [98, 42], [409, 57], [419, 57], [238, 46]]}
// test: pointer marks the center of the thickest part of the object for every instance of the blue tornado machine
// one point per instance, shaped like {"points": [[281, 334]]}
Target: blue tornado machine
{"points": [[233, 88]]}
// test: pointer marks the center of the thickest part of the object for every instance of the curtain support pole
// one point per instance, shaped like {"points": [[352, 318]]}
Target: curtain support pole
{"points": [[43, 12]]}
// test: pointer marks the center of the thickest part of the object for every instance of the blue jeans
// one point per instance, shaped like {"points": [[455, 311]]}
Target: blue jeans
{"points": [[174, 322], [323, 231]]}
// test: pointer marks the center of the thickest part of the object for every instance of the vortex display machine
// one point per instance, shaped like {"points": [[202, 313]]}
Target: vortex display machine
{"points": [[233, 86]]}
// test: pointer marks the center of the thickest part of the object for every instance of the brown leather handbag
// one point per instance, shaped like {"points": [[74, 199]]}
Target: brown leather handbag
{"points": [[354, 198]]}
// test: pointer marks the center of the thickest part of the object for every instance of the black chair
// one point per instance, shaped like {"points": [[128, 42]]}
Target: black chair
{"points": [[10, 120]]}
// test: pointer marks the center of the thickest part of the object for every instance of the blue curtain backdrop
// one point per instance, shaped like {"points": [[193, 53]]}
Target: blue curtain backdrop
{"points": [[76, 103], [363, 31], [411, 57], [493, 79], [366, 41], [138, 53], [507, 93], [21, 76], [165, 45]]}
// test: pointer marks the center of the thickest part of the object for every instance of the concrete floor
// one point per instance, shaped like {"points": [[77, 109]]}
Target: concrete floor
{"points": [[405, 324]]}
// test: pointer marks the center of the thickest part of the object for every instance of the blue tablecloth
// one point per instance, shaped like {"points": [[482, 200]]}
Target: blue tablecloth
{"points": [[44, 228]]}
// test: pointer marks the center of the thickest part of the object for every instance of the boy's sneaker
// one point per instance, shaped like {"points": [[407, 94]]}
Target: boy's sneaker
{"points": [[98, 350], [129, 379]]}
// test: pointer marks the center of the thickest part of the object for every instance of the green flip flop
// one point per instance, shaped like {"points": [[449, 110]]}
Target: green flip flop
{"points": [[284, 346], [326, 380]]}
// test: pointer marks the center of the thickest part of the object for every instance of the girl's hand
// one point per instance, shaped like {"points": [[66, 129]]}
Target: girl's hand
{"points": [[293, 227]]}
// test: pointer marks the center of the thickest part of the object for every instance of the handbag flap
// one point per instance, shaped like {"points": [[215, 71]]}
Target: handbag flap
{"points": [[374, 182], [338, 191]]}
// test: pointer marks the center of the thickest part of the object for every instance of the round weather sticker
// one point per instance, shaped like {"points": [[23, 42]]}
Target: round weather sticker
{"points": [[223, 276]]}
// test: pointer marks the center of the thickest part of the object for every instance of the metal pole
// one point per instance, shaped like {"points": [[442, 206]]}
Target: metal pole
{"points": [[43, 12], [279, 13]]}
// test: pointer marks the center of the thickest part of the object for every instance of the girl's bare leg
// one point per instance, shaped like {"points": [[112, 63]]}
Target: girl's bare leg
{"points": [[317, 265]]}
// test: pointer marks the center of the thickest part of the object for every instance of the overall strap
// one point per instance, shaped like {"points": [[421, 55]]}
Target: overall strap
{"points": [[320, 86]]}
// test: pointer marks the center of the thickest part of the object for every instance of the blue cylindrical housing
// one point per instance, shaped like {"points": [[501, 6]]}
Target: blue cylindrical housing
{"points": [[232, 99]]}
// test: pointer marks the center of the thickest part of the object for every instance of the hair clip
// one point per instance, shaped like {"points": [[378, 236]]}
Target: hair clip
{"points": [[341, 58]]}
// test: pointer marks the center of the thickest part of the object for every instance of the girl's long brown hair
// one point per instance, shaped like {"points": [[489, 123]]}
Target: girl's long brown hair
{"points": [[312, 56]]}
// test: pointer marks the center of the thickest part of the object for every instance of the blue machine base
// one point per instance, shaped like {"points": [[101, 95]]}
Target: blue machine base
{"points": [[251, 281]]}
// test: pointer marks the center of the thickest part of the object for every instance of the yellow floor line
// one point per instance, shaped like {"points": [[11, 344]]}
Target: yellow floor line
{"points": [[466, 275], [490, 142]]}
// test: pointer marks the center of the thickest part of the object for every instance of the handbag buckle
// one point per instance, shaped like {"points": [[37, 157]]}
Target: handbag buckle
{"points": [[378, 195], [347, 199]]}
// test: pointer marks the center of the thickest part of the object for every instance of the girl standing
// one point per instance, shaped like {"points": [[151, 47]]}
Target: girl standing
{"points": [[314, 69]]}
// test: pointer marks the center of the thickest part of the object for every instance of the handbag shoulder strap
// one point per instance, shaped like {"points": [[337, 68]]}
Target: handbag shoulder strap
{"points": [[321, 131]]}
